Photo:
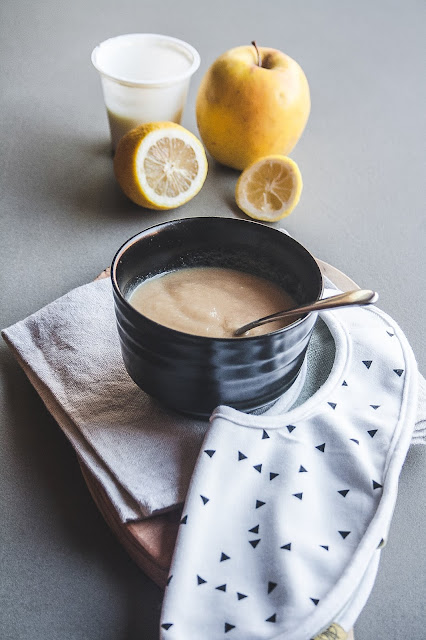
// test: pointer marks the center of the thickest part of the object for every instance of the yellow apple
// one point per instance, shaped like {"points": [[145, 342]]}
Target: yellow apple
{"points": [[252, 102]]}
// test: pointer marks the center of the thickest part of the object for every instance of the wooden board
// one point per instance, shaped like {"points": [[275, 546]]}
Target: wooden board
{"points": [[150, 542]]}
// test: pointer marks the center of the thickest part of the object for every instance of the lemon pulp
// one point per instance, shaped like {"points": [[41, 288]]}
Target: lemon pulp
{"points": [[270, 188], [170, 166], [160, 165]]}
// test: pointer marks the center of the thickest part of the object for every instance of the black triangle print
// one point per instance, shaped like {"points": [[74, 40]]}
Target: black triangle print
{"points": [[390, 334], [344, 383], [224, 557], [290, 427], [210, 452], [254, 543], [184, 520], [315, 601], [343, 492], [367, 363], [321, 447], [265, 435], [344, 534], [259, 503], [374, 406], [221, 588], [201, 580], [354, 440], [286, 546], [169, 579], [228, 627], [333, 405], [399, 372], [258, 467], [273, 475], [302, 469], [241, 596], [254, 529], [271, 586], [298, 495], [204, 499], [324, 546], [376, 485], [167, 625], [241, 456], [272, 618], [372, 432]]}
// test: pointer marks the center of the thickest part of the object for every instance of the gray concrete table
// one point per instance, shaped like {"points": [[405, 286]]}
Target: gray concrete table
{"points": [[62, 573]]}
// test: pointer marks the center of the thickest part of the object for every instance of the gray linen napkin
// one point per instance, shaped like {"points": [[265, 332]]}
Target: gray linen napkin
{"points": [[141, 453]]}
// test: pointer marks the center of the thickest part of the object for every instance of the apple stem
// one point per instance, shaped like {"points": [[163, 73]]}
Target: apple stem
{"points": [[259, 57]]}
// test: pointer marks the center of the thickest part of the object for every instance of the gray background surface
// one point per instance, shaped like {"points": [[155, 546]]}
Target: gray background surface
{"points": [[62, 573]]}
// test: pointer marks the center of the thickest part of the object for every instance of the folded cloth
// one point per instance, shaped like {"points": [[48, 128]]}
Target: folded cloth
{"points": [[142, 454], [419, 434]]}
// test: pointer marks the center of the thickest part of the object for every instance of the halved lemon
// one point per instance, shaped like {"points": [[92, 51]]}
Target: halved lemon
{"points": [[160, 165], [269, 188]]}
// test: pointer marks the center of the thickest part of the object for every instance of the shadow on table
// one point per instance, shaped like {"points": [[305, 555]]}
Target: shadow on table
{"points": [[50, 500]]}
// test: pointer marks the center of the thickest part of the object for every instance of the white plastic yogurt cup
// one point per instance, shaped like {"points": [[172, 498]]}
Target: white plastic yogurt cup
{"points": [[145, 78]]}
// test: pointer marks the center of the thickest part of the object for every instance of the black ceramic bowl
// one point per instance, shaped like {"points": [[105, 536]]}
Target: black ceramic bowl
{"points": [[194, 374]]}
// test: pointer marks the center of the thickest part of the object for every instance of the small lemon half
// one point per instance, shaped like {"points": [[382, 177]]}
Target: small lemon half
{"points": [[160, 165], [269, 188]]}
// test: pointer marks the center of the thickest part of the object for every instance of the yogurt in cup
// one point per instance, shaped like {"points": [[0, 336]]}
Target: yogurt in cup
{"points": [[145, 78]]}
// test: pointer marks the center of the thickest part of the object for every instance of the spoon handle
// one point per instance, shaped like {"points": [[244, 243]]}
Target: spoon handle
{"points": [[356, 297]]}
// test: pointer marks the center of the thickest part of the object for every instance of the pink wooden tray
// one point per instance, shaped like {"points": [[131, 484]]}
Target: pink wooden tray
{"points": [[150, 542]]}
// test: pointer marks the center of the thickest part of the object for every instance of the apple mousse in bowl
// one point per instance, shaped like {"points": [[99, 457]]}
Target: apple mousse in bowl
{"points": [[183, 287], [210, 301]]}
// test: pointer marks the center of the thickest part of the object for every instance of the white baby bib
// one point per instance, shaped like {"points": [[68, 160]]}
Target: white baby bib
{"points": [[286, 514]]}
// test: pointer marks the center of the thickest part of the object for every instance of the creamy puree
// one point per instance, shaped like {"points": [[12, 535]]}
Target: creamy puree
{"points": [[210, 301]]}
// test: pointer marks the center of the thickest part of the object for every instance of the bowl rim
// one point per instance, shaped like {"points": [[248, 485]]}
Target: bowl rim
{"points": [[207, 339]]}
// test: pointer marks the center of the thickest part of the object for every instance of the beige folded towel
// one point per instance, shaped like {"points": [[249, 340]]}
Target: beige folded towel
{"points": [[141, 453]]}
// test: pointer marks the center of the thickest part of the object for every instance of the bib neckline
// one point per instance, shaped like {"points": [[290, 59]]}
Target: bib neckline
{"points": [[340, 336]]}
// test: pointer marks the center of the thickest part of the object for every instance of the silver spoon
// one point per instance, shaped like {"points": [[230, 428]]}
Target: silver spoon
{"points": [[357, 297]]}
